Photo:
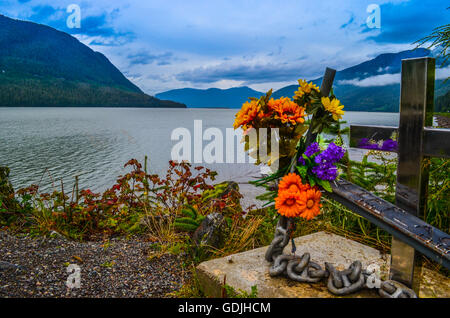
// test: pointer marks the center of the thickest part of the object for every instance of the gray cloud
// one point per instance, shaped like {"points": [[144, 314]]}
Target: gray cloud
{"points": [[377, 80], [389, 79], [442, 73], [349, 22], [148, 58], [246, 73]]}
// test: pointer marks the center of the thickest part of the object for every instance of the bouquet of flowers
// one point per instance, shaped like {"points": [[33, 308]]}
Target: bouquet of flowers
{"points": [[306, 166]]}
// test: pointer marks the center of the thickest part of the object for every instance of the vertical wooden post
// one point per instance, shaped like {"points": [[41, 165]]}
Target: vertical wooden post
{"points": [[325, 89], [416, 112]]}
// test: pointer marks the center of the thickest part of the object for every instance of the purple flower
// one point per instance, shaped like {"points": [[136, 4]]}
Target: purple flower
{"points": [[325, 169], [363, 141], [310, 150], [389, 144], [337, 152], [331, 155], [366, 144]]}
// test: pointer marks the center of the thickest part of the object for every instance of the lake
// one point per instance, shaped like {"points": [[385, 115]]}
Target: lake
{"points": [[44, 145]]}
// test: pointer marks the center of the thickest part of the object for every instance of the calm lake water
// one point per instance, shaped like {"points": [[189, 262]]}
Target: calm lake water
{"points": [[45, 144]]}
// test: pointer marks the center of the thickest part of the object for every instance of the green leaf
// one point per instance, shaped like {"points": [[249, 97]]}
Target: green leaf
{"points": [[312, 181], [186, 221], [266, 196], [326, 185], [186, 227], [188, 213], [302, 170]]}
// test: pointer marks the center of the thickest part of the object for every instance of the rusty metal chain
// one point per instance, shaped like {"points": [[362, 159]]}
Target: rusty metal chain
{"points": [[302, 269]]}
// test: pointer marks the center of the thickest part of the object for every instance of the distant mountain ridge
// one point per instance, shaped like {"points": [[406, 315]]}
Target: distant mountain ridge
{"points": [[41, 66], [347, 87], [211, 97], [377, 97], [387, 63]]}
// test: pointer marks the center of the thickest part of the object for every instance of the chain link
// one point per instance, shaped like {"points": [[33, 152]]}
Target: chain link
{"points": [[280, 240], [394, 289], [302, 269], [347, 281]]}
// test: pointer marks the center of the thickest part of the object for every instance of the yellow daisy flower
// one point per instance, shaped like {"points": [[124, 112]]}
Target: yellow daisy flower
{"points": [[334, 107], [305, 88]]}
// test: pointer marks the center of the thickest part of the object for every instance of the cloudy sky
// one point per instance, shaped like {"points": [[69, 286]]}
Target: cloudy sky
{"points": [[161, 44]]}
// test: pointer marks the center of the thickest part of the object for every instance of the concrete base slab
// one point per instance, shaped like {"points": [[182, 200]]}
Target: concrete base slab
{"points": [[249, 268]]}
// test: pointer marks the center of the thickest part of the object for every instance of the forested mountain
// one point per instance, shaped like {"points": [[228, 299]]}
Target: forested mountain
{"points": [[361, 87], [41, 66], [442, 103], [212, 97]]}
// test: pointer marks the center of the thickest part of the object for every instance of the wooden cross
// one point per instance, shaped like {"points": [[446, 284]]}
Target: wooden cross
{"points": [[415, 142]]}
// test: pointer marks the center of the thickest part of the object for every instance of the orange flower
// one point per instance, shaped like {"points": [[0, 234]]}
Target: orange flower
{"points": [[296, 199], [287, 111], [310, 203], [288, 203], [247, 114], [292, 183]]}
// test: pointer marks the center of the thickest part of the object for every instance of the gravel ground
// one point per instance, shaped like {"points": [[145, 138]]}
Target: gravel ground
{"points": [[443, 121], [124, 268]]}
